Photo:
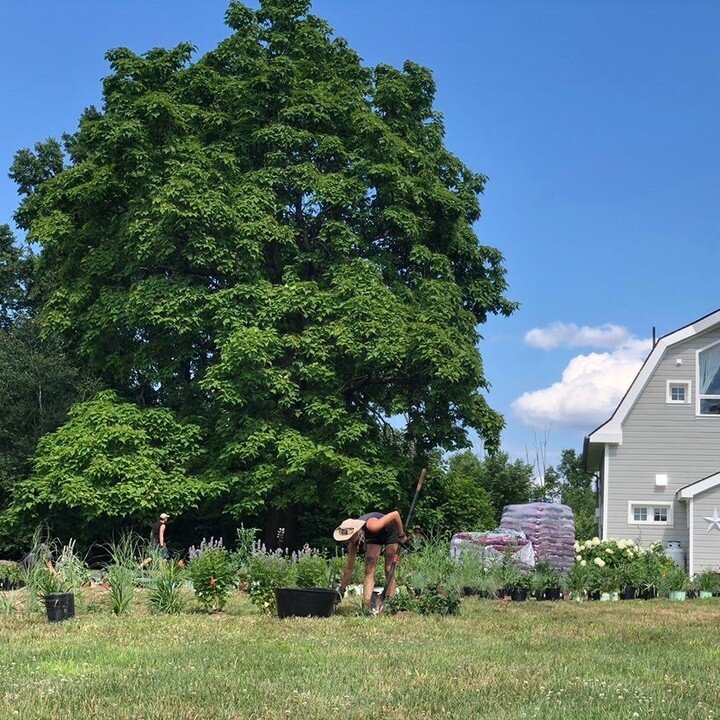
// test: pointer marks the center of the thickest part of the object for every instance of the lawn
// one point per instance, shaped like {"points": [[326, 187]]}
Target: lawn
{"points": [[642, 659]]}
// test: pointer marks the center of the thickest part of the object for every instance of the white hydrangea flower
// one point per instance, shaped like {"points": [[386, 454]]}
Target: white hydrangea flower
{"points": [[599, 562], [583, 563]]}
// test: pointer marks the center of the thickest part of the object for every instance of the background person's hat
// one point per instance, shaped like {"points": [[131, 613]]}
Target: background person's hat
{"points": [[164, 516], [348, 528]]}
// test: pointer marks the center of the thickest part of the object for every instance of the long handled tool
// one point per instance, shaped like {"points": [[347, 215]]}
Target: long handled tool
{"points": [[378, 601]]}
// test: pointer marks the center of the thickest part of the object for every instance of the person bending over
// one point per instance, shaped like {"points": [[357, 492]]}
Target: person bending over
{"points": [[371, 533]]}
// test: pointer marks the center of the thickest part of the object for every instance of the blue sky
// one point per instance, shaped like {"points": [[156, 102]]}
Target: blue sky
{"points": [[596, 122]]}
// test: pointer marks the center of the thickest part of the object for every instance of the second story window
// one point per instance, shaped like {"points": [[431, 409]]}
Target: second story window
{"points": [[709, 380], [678, 392]]}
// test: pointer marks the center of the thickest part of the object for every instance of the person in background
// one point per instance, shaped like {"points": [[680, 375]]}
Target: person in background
{"points": [[158, 535], [370, 533]]}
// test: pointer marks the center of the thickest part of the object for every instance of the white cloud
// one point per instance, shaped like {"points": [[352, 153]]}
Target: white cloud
{"points": [[591, 387], [571, 335]]}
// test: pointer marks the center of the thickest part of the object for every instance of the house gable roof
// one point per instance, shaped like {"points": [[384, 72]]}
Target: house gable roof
{"points": [[610, 432], [699, 486]]}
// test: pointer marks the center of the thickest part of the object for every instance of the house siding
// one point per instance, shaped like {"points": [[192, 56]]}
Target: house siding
{"points": [[706, 545], [663, 438]]}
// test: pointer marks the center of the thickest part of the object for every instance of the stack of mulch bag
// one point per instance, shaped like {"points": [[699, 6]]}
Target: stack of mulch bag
{"points": [[494, 546], [549, 526]]}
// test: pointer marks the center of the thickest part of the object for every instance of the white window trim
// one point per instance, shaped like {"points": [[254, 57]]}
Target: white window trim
{"points": [[688, 392], [698, 397], [650, 504]]}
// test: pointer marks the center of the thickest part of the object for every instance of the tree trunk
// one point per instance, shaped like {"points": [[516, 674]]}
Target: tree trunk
{"points": [[285, 520]]}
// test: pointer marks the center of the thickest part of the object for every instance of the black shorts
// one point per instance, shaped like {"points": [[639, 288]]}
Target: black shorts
{"points": [[392, 537]]}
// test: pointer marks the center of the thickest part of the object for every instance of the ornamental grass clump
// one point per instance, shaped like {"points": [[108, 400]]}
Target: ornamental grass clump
{"points": [[165, 594], [708, 581], [123, 572], [212, 576]]}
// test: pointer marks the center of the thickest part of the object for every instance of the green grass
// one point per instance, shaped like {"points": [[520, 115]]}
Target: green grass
{"points": [[497, 660]]}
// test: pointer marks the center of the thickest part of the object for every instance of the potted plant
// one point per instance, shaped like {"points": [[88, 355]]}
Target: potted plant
{"points": [[630, 578], [547, 583], [578, 580], [56, 593], [708, 584], [310, 594], [485, 585], [609, 582], [519, 591], [510, 576], [673, 583]]}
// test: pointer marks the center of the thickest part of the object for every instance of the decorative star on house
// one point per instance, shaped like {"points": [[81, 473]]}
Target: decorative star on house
{"points": [[714, 521]]}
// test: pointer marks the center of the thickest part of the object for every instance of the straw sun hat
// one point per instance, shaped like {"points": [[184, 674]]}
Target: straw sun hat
{"points": [[348, 529]]}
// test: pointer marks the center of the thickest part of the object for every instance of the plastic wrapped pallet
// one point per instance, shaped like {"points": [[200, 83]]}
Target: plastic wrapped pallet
{"points": [[549, 526], [495, 545]]}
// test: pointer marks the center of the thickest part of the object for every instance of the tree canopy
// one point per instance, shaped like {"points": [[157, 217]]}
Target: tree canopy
{"points": [[272, 243]]}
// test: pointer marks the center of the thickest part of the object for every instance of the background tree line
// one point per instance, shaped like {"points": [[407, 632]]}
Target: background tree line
{"points": [[251, 292]]}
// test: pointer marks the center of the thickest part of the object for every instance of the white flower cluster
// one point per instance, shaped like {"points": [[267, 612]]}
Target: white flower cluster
{"points": [[602, 552]]}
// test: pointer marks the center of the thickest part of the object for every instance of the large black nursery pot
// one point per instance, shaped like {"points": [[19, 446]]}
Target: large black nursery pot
{"points": [[60, 606], [551, 593], [518, 594], [305, 602], [629, 593]]}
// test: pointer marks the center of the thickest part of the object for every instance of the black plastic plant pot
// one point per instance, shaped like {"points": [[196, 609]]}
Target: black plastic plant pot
{"points": [[518, 594], [502, 593], [60, 606], [550, 594], [305, 602], [594, 594], [649, 594], [629, 593]]}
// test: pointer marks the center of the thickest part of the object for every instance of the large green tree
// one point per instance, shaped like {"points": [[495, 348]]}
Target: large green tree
{"points": [[15, 273], [503, 481], [274, 243], [576, 490]]}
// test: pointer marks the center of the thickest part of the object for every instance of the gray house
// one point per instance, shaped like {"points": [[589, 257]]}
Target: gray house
{"points": [[658, 456]]}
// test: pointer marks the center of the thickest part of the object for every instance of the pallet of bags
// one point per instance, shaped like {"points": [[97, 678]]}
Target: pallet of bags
{"points": [[549, 526], [494, 546]]}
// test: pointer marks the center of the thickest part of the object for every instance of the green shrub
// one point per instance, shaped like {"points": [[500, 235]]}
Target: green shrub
{"points": [[266, 573], [312, 571], [212, 577], [11, 575], [440, 601]]}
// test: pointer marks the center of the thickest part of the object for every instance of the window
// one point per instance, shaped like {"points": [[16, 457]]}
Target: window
{"points": [[650, 513], [678, 392], [660, 514], [709, 380]]}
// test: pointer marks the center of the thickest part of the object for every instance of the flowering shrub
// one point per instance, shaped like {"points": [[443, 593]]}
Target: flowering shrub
{"points": [[609, 565], [272, 569], [205, 546], [212, 576]]}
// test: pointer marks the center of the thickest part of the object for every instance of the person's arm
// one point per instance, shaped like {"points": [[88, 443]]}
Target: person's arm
{"points": [[161, 536], [375, 525], [349, 565]]}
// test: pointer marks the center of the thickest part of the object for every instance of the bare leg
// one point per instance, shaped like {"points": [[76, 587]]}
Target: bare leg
{"points": [[390, 552], [372, 553]]}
